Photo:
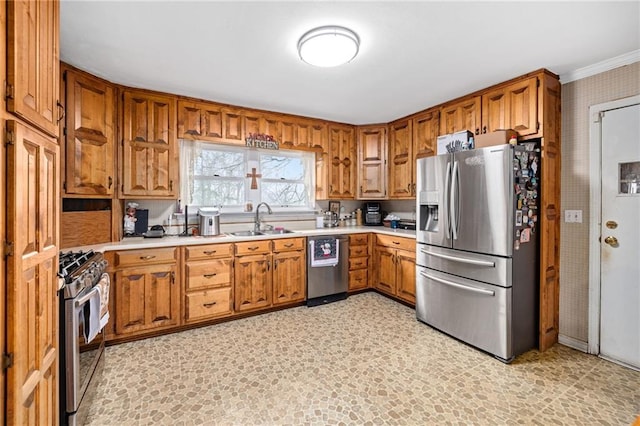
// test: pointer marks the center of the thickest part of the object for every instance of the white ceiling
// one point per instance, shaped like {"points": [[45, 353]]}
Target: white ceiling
{"points": [[412, 55]]}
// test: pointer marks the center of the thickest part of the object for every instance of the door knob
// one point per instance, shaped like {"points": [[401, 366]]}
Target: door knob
{"points": [[612, 241]]}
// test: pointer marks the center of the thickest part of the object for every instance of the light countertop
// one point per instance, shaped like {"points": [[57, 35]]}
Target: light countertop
{"points": [[130, 243]]}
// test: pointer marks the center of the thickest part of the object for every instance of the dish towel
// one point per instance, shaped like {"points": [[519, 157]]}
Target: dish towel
{"points": [[324, 252], [103, 285], [92, 316]]}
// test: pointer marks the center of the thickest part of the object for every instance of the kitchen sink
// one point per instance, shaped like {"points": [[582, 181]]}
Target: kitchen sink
{"points": [[276, 231], [246, 233]]}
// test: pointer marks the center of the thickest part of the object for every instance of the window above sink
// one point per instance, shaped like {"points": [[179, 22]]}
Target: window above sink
{"points": [[220, 175]]}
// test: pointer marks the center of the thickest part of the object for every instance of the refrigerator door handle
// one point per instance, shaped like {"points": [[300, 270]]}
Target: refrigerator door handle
{"points": [[460, 259], [460, 286], [453, 210], [447, 201]]}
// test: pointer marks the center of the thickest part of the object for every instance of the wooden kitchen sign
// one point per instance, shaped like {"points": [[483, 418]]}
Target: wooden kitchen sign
{"points": [[260, 140]]}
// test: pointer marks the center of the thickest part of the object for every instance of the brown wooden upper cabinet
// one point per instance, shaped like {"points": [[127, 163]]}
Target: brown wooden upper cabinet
{"points": [[514, 106], [32, 89], [461, 115], [426, 128], [90, 137], [342, 151], [150, 160], [372, 162], [401, 159]]}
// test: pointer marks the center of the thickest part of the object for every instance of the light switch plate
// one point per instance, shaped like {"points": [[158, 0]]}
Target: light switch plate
{"points": [[573, 216]]}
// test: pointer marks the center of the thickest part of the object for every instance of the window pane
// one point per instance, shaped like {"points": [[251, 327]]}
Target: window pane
{"points": [[221, 163], [210, 192], [284, 194], [281, 167]]}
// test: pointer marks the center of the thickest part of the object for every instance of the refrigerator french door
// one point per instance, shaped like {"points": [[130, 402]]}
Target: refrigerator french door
{"points": [[476, 272]]}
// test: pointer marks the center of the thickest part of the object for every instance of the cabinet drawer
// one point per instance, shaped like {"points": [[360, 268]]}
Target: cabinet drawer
{"points": [[358, 279], [253, 247], [214, 273], [358, 251], [396, 242], [209, 251], [288, 244], [208, 304], [358, 263], [145, 257], [358, 239]]}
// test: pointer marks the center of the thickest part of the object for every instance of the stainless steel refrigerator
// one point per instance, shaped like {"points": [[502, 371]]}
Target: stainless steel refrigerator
{"points": [[477, 246]]}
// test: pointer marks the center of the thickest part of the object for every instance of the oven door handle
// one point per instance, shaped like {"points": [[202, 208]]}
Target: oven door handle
{"points": [[84, 299], [456, 285]]}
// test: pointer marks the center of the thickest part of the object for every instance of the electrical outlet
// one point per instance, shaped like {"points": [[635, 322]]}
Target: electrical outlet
{"points": [[573, 216]]}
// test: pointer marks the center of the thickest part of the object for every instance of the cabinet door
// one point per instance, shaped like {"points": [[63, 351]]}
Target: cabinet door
{"points": [[146, 298], [289, 277], [426, 128], [385, 265], [252, 282], [33, 203], [372, 162], [90, 143], [461, 115], [232, 125], [150, 162], [33, 77], [401, 173], [318, 136], [406, 275], [190, 123], [342, 151], [512, 107], [289, 134]]}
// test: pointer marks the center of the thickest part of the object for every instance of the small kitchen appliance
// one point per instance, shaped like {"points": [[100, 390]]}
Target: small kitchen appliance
{"points": [[209, 221], [372, 214]]}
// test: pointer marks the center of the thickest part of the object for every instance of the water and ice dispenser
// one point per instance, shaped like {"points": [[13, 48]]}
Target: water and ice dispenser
{"points": [[429, 211]]}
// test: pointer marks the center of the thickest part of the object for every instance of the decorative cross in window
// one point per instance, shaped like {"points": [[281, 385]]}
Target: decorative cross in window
{"points": [[254, 178]]}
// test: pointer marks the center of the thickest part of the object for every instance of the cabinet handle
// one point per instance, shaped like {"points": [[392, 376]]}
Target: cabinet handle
{"points": [[288, 245], [484, 129], [395, 242], [61, 108], [268, 265], [173, 277], [477, 131], [110, 182], [170, 185], [361, 191], [275, 265], [210, 275], [209, 252], [208, 305], [409, 187], [147, 257], [357, 264], [253, 248]]}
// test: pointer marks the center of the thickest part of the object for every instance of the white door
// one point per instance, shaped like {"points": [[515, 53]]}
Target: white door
{"points": [[620, 236]]}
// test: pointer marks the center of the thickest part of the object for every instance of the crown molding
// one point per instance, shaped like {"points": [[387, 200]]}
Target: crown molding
{"points": [[597, 68]]}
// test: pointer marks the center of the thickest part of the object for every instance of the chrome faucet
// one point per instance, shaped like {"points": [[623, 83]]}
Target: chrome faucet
{"points": [[256, 222]]}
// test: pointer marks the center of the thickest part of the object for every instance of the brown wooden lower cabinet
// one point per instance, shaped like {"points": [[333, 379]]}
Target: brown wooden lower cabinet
{"points": [[146, 290], [395, 267], [289, 276], [208, 277], [359, 261], [253, 282]]}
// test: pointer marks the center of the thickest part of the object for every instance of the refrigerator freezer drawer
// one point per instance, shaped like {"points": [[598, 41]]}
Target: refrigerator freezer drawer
{"points": [[476, 313], [481, 267]]}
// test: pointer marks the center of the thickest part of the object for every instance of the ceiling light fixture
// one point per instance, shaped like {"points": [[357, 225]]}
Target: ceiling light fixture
{"points": [[328, 46]]}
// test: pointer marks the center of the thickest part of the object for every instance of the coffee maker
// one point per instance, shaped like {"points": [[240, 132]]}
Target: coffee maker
{"points": [[372, 214]]}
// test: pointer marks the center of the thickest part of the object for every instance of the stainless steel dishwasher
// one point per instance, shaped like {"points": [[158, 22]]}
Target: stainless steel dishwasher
{"points": [[327, 282]]}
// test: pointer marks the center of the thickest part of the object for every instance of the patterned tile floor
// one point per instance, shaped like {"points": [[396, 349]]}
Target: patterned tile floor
{"points": [[362, 361]]}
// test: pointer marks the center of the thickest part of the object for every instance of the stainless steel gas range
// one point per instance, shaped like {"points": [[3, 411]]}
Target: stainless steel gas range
{"points": [[83, 301]]}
